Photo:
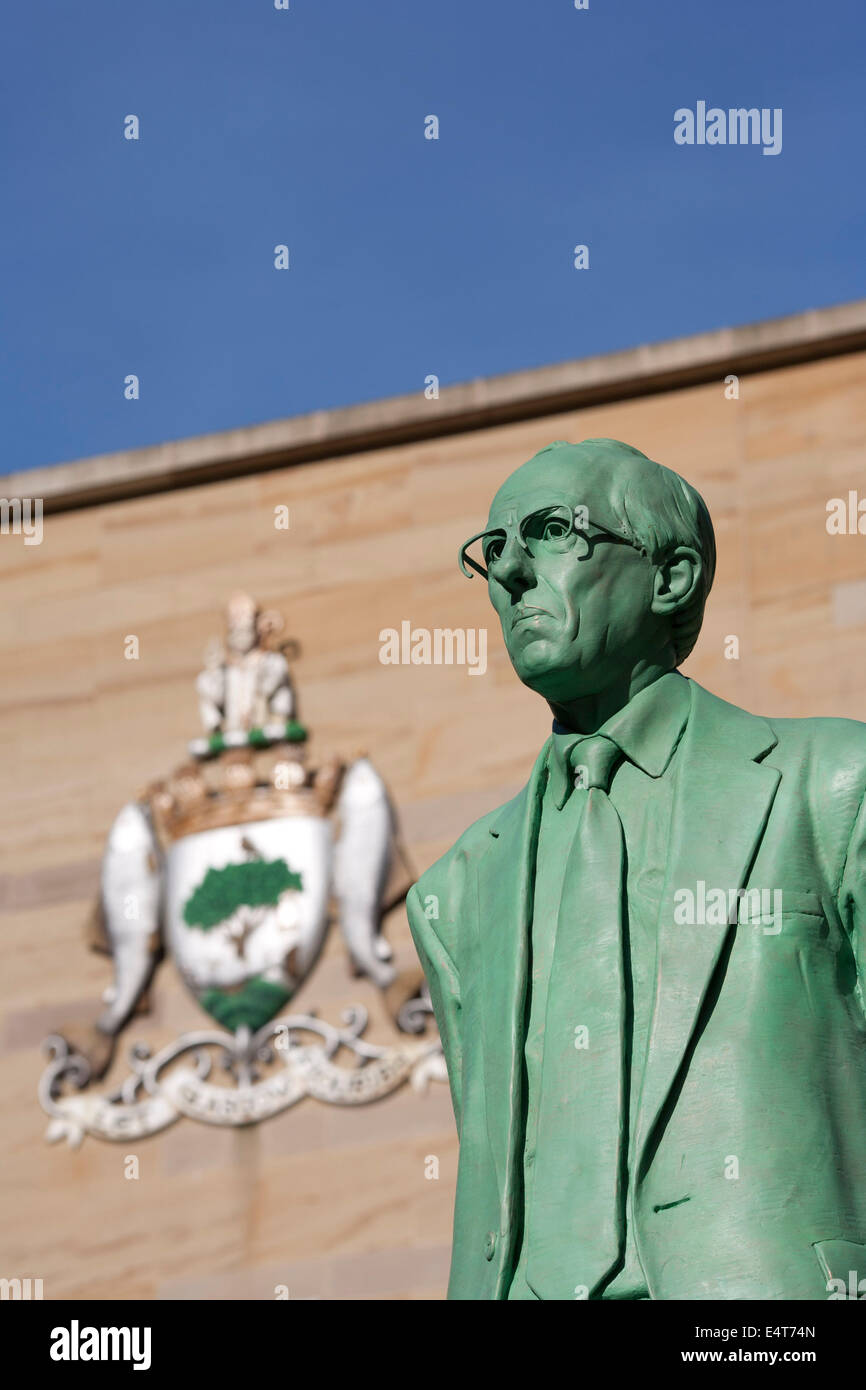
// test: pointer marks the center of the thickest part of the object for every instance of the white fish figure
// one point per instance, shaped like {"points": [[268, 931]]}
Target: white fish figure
{"points": [[131, 902], [362, 861]]}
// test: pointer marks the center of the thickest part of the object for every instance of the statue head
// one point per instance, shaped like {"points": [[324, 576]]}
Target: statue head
{"points": [[598, 563], [242, 626]]}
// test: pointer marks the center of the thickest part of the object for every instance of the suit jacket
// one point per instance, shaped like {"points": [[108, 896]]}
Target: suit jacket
{"points": [[751, 1123]]}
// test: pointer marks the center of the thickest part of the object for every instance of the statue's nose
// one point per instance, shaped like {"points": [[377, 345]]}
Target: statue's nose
{"points": [[513, 567]]}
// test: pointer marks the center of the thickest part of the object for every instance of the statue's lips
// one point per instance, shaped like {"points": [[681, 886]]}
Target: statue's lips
{"points": [[529, 613]]}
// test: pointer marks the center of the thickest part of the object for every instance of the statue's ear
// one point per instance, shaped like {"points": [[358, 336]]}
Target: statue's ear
{"points": [[676, 580]]}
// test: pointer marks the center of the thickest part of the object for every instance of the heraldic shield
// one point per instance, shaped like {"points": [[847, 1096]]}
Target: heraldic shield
{"points": [[235, 866], [246, 912]]}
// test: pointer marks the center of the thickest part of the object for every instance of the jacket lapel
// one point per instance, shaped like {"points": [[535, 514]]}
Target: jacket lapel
{"points": [[722, 800], [506, 880]]}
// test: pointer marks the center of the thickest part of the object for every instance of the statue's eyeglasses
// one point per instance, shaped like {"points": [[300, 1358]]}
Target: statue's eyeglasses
{"points": [[547, 531]]}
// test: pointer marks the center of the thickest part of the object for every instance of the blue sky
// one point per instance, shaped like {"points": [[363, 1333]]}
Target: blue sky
{"points": [[407, 256]]}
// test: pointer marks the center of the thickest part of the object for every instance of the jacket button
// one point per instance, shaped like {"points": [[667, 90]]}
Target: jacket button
{"points": [[489, 1245]]}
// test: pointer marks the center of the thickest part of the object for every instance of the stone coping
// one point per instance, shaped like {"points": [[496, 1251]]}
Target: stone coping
{"points": [[485, 402]]}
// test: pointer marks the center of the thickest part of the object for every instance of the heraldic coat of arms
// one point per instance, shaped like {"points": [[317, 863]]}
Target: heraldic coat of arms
{"points": [[236, 865]]}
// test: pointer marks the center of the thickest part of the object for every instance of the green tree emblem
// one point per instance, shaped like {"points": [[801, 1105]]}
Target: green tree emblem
{"points": [[258, 883]]}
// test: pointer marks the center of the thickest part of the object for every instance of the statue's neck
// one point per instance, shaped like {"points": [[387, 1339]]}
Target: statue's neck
{"points": [[587, 714]]}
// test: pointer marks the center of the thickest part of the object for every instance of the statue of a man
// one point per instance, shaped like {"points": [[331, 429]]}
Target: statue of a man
{"points": [[648, 968], [244, 685]]}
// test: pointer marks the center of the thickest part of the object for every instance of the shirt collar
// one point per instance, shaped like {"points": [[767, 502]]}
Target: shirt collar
{"points": [[647, 729]]}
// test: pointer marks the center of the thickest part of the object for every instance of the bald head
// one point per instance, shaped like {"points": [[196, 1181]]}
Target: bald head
{"points": [[626, 493]]}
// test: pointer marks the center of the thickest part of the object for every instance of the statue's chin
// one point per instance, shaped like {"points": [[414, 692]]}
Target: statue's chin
{"points": [[546, 676], [547, 665], [553, 676]]}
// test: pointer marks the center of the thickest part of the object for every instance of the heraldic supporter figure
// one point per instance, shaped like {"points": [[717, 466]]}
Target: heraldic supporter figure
{"points": [[648, 968]]}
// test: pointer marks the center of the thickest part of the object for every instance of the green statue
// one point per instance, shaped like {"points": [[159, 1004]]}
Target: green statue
{"points": [[648, 968]]}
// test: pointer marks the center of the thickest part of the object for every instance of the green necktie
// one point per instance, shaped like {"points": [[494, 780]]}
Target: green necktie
{"points": [[576, 1224]]}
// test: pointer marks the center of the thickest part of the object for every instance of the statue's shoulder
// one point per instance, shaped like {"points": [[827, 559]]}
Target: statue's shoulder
{"points": [[827, 739], [827, 758], [824, 759], [830, 739], [272, 663]]}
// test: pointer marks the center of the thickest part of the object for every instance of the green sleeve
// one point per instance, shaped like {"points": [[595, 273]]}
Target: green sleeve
{"points": [[444, 985], [852, 898]]}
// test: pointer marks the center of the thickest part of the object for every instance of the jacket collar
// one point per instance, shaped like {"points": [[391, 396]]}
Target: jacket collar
{"points": [[647, 730]]}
